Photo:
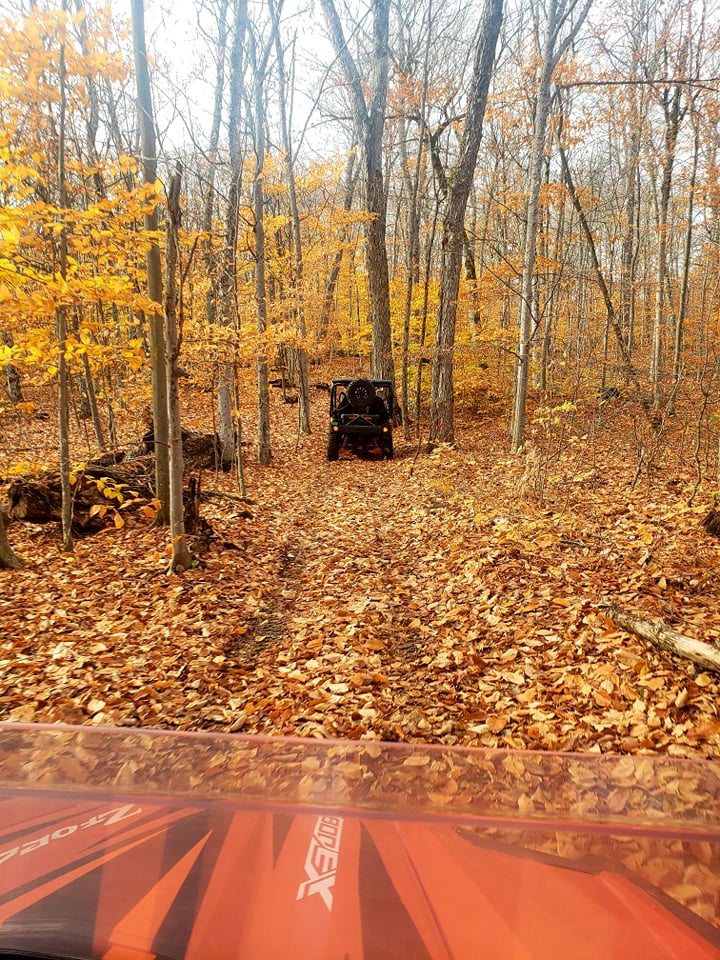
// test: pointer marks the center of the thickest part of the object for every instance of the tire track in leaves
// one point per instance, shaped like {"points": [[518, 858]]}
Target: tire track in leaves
{"points": [[357, 595], [434, 600], [436, 603]]}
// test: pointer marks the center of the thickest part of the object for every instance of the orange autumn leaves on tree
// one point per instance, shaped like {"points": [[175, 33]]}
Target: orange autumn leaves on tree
{"points": [[101, 220], [104, 281]]}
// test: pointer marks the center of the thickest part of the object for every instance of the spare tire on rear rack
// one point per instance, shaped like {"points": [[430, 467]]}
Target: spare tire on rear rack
{"points": [[361, 393]]}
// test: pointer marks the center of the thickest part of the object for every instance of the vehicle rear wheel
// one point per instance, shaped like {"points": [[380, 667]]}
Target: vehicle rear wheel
{"points": [[388, 447], [361, 393], [333, 447]]}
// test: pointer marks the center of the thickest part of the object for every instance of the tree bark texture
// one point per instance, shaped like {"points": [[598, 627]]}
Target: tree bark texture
{"points": [[61, 329], [228, 424], [442, 391], [153, 266], [209, 201], [262, 365], [526, 320], [412, 177], [181, 556]]}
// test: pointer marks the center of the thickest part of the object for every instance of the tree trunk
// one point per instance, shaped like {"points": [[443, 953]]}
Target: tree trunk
{"points": [[687, 253], [662, 636], [429, 256], [369, 121], [154, 267], [226, 419], [627, 272], [558, 13], [12, 378], [673, 116], [61, 328], [209, 255], [349, 182], [262, 366], [631, 187], [12, 374], [8, 559], [297, 279], [181, 556], [412, 187], [229, 424], [213, 261], [442, 392], [526, 323], [413, 255]]}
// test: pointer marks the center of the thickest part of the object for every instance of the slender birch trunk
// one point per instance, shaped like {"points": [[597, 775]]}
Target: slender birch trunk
{"points": [[181, 556], [673, 112], [300, 352], [349, 184], [687, 252], [61, 327], [154, 268], [229, 424], [264, 454]]}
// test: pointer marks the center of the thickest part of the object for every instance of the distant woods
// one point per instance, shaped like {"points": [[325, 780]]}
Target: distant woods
{"points": [[508, 210]]}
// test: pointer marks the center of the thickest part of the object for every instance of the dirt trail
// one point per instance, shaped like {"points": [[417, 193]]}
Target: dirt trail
{"points": [[431, 599]]}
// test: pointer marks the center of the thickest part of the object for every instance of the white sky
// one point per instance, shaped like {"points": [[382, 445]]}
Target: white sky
{"points": [[171, 29]]}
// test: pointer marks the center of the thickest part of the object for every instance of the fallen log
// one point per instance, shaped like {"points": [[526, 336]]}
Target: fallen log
{"points": [[106, 488], [99, 494], [660, 635], [35, 500], [199, 449], [711, 521]]}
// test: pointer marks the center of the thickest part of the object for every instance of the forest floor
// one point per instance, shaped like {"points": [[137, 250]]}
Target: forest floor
{"points": [[453, 598]]}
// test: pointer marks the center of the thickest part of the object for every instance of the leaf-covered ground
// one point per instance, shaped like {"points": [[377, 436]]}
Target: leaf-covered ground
{"points": [[453, 598]]}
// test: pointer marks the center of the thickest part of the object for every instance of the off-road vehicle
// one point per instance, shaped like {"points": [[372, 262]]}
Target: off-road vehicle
{"points": [[361, 416]]}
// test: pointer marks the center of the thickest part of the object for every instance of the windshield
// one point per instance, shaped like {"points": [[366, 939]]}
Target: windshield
{"points": [[127, 845]]}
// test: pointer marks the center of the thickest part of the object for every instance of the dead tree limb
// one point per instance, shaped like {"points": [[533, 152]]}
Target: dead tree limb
{"points": [[660, 635]]}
